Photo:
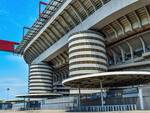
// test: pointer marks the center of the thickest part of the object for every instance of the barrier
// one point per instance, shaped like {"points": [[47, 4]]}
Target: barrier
{"points": [[105, 108]]}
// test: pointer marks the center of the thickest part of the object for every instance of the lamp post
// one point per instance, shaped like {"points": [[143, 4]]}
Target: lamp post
{"points": [[7, 89]]}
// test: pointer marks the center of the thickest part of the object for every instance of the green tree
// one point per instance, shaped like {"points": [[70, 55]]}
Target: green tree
{"points": [[1, 101]]}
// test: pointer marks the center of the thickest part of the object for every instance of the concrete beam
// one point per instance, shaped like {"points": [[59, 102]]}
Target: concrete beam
{"points": [[98, 19]]}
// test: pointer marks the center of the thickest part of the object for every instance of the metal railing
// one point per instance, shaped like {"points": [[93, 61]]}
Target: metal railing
{"points": [[52, 7], [104, 108]]}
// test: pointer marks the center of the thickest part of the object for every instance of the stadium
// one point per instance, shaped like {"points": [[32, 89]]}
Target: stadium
{"points": [[89, 55]]}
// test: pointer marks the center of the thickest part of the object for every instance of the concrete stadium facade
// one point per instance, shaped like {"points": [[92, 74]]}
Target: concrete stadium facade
{"points": [[75, 38]]}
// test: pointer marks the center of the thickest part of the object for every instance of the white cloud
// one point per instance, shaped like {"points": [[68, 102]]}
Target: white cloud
{"points": [[17, 82], [3, 12], [14, 58], [14, 77], [16, 85], [17, 60]]}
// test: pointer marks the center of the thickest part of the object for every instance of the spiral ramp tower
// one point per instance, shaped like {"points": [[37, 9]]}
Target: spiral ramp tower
{"points": [[87, 53], [40, 78]]}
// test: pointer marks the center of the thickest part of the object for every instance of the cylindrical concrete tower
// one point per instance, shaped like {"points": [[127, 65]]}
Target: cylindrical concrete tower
{"points": [[40, 78], [87, 53]]}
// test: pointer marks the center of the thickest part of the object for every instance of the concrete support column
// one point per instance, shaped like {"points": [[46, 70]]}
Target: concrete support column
{"points": [[101, 88], [122, 53], [114, 56], [40, 78], [131, 50], [79, 99], [87, 53], [141, 98], [143, 44]]}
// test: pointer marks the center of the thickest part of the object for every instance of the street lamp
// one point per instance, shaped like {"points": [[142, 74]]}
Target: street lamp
{"points": [[7, 93]]}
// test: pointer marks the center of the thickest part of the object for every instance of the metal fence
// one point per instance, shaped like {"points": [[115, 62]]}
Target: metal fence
{"points": [[104, 108]]}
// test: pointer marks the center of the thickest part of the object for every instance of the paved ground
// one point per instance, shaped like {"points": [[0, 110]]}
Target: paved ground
{"points": [[57, 111]]}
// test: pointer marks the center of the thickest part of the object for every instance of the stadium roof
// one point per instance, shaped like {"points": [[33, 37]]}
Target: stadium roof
{"points": [[46, 15]]}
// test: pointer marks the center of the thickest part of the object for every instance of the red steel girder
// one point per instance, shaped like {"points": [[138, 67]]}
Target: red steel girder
{"points": [[7, 45]]}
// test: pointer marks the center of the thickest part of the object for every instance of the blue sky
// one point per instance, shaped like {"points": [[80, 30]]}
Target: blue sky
{"points": [[14, 14]]}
